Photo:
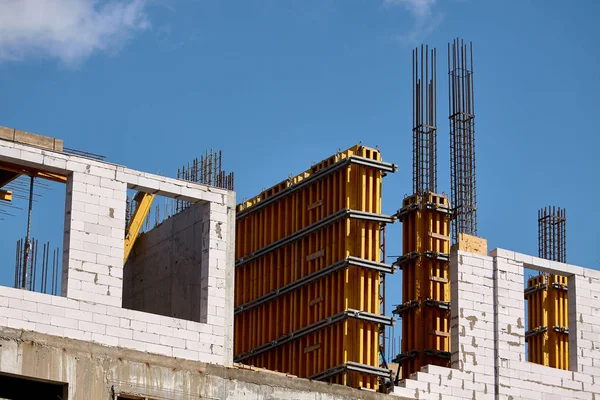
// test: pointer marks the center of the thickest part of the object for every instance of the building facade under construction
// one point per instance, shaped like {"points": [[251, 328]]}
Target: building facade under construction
{"points": [[165, 288]]}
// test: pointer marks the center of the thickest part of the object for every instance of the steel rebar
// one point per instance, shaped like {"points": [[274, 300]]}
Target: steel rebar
{"points": [[462, 138]]}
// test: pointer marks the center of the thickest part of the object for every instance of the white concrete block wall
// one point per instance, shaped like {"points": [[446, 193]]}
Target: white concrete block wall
{"points": [[217, 280], [94, 237], [110, 325], [488, 309], [90, 306]]}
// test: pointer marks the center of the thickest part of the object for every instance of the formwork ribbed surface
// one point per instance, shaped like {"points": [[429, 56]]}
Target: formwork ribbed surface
{"points": [[425, 308], [547, 335], [307, 251]]}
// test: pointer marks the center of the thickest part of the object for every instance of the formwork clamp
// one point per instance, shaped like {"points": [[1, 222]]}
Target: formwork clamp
{"points": [[406, 258], [442, 305], [535, 288], [437, 256], [439, 208], [401, 213], [535, 331], [560, 286], [560, 329], [406, 356], [409, 305], [444, 355]]}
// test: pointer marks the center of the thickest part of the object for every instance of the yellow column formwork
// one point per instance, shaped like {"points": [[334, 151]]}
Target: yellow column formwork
{"points": [[547, 333], [425, 308], [293, 243]]}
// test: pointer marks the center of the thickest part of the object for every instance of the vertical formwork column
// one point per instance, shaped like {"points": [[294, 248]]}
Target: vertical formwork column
{"points": [[547, 306], [425, 308]]}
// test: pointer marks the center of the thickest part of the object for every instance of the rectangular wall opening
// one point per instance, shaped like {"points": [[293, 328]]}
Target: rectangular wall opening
{"points": [[163, 272], [546, 319], [32, 262], [13, 387]]}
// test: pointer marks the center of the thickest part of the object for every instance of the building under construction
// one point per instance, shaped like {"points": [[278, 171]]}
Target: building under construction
{"points": [[165, 288]]}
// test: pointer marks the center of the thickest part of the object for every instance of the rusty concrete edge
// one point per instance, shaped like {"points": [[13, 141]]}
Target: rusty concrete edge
{"points": [[233, 372]]}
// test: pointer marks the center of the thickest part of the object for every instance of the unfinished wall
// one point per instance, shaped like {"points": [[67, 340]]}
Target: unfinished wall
{"points": [[93, 372], [488, 334], [92, 280], [163, 273]]}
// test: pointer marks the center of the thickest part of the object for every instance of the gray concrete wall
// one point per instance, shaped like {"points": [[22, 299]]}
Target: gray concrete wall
{"points": [[92, 371], [163, 273]]}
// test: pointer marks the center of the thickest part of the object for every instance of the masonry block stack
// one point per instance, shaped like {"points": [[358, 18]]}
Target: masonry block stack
{"points": [[308, 272], [425, 308], [94, 231]]}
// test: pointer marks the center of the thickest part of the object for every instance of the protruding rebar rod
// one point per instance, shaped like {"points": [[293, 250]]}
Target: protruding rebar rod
{"points": [[26, 259], [552, 233], [462, 139], [424, 121]]}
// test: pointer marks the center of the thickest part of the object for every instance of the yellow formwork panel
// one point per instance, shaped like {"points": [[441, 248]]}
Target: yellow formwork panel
{"points": [[263, 222], [548, 320], [425, 283], [324, 350]]}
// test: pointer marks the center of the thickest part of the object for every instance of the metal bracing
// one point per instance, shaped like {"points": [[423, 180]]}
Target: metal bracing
{"points": [[462, 138], [424, 121]]}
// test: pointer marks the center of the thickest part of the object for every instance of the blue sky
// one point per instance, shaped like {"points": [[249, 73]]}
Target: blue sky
{"points": [[277, 84]]}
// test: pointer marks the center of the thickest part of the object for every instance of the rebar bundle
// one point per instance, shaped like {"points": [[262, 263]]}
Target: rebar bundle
{"points": [[424, 121], [207, 171], [552, 234], [462, 138], [26, 274]]}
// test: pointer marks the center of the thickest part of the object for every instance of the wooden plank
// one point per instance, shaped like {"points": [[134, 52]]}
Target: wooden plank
{"points": [[315, 255], [315, 205], [438, 236]]}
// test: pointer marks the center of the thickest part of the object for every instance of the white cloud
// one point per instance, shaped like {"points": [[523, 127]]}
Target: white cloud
{"points": [[69, 30], [425, 20], [419, 8]]}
